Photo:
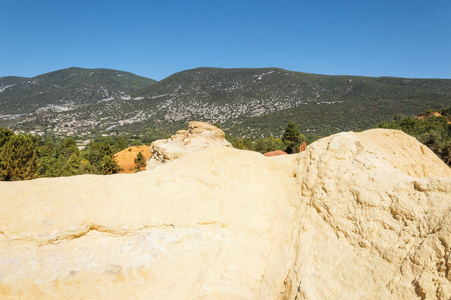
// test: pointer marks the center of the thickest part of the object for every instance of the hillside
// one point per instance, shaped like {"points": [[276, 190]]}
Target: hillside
{"points": [[63, 98], [262, 101], [245, 102]]}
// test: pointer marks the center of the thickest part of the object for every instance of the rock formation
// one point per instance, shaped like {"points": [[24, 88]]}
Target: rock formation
{"points": [[354, 216], [199, 135], [302, 147]]}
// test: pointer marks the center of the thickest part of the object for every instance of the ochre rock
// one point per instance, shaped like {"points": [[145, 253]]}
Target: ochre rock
{"points": [[302, 147], [275, 153], [199, 135], [354, 216], [126, 158]]}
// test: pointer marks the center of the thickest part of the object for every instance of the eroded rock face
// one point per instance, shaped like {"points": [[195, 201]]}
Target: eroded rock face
{"points": [[375, 216], [355, 216], [199, 135]]}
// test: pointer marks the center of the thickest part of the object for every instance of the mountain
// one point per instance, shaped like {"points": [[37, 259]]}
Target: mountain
{"points": [[42, 99], [262, 101], [245, 102]]}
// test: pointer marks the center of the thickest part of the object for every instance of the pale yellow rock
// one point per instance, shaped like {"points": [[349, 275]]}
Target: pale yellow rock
{"points": [[355, 216], [199, 135], [383, 197]]}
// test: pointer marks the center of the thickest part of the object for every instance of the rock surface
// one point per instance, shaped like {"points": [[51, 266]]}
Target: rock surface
{"points": [[354, 216], [199, 135]]}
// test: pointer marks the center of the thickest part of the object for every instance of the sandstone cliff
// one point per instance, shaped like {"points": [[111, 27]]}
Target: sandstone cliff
{"points": [[199, 135], [354, 216]]}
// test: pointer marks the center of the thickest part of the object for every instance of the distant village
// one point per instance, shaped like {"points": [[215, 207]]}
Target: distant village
{"points": [[65, 132]]}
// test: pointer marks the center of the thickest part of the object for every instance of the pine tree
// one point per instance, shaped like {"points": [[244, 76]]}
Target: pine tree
{"points": [[269, 144], [292, 138], [120, 144], [140, 162], [19, 158], [67, 147], [5, 135], [109, 165]]}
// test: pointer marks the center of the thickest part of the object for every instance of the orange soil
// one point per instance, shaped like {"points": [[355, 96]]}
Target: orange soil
{"points": [[126, 158], [435, 114]]}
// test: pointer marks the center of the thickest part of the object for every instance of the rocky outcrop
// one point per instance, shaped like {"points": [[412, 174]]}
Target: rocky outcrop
{"points": [[375, 216], [199, 135], [354, 216]]}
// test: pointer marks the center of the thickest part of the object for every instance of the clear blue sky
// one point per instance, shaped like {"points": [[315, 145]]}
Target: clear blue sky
{"points": [[158, 38]]}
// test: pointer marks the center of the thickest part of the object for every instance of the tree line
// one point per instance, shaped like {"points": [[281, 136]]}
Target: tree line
{"points": [[24, 157], [289, 142]]}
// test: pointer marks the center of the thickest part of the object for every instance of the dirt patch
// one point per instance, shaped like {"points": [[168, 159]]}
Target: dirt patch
{"points": [[434, 114], [126, 158]]}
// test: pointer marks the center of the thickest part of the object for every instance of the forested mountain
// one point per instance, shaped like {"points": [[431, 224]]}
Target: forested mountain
{"points": [[245, 102], [55, 98], [68, 88], [262, 101]]}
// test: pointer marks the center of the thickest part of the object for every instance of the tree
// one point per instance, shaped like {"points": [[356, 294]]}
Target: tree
{"points": [[106, 149], [269, 144], [19, 157], [120, 145], [109, 165], [94, 156], [242, 143], [67, 147], [48, 162], [292, 138], [140, 162], [5, 134]]}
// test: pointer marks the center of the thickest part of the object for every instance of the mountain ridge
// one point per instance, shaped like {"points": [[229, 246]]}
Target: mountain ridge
{"points": [[244, 101]]}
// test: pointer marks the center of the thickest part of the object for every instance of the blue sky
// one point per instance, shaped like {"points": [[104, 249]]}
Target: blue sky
{"points": [[158, 38]]}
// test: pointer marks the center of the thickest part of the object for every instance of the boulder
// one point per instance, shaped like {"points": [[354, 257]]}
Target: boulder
{"points": [[354, 216], [199, 135]]}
